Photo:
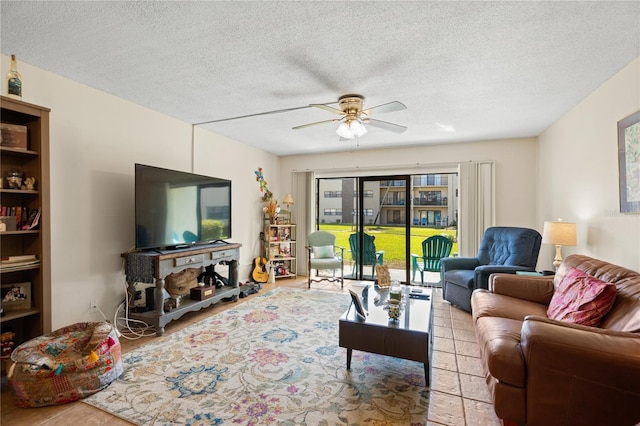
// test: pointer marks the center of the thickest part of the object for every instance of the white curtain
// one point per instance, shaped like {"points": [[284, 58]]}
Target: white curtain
{"points": [[477, 204], [303, 214]]}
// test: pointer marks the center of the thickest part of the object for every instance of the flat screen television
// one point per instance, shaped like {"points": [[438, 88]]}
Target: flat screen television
{"points": [[175, 209]]}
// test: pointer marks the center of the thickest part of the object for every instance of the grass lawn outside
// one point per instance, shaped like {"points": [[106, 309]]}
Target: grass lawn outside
{"points": [[390, 239]]}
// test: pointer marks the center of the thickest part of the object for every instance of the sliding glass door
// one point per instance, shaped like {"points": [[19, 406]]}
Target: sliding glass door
{"points": [[382, 231], [382, 220]]}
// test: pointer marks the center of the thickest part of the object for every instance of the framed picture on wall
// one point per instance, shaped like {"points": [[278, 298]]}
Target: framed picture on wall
{"points": [[629, 163]]}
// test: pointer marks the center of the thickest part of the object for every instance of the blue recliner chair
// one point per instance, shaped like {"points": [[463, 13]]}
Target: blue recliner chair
{"points": [[502, 250]]}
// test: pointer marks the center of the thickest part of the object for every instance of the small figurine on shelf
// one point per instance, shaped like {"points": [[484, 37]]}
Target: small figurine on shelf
{"points": [[30, 183]]}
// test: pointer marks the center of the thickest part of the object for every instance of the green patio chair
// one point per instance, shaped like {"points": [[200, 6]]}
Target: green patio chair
{"points": [[370, 256], [433, 249]]}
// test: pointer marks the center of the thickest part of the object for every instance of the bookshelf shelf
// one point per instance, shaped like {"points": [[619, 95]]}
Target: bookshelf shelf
{"points": [[10, 316]]}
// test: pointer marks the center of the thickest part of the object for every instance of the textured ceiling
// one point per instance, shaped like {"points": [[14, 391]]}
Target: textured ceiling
{"points": [[466, 71]]}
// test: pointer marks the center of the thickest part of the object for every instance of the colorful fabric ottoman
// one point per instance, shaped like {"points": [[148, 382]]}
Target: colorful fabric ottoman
{"points": [[66, 365]]}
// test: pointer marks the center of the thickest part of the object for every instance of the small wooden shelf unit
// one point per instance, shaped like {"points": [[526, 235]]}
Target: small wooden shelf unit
{"points": [[280, 248]]}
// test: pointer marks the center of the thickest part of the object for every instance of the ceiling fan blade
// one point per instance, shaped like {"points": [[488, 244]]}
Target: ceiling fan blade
{"points": [[388, 107], [327, 108], [395, 128], [314, 124], [278, 111]]}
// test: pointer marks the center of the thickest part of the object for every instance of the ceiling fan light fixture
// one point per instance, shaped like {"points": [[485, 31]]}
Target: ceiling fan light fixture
{"points": [[344, 131], [354, 117], [357, 128]]}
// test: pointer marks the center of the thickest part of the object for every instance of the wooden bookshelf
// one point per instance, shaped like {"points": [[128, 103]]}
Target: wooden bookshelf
{"points": [[35, 320]]}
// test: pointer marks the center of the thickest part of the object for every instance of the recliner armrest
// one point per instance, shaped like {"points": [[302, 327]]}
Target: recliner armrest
{"points": [[453, 263], [586, 374], [483, 272]]}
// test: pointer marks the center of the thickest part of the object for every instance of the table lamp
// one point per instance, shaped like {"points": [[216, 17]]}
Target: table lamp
{"points": [[560, 234], [288, 200]]}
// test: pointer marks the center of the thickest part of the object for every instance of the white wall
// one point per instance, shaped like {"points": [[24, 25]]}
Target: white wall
{"points": [[95, 140], [578, 177]]}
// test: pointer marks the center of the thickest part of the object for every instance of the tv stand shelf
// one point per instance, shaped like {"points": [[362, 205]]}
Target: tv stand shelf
{"points": [[153, 266]]}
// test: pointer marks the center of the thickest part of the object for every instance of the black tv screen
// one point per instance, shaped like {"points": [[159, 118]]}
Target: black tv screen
{"points": [[175, 208]]}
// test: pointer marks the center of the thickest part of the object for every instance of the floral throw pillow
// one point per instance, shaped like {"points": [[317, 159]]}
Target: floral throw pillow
{"points": [[581, 299], [323, 252]]}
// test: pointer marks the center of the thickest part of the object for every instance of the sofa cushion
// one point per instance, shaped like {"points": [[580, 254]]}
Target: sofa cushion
{"points": [[581, 299], [499, 344], [487, 304]]}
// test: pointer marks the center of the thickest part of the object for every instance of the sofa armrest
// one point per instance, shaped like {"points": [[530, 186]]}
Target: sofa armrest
{"points": [[482, 273], [538, 289], [455, 263], [586, 374]]}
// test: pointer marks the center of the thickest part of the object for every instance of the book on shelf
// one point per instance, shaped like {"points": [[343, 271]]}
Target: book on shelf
{"points": [[32, 221], [24, 217], [11, 262]]}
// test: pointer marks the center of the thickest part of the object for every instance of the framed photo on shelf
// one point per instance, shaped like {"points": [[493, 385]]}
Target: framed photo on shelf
{"points": [[629, 163], [284, 233], [15, 296], [285, 249]]}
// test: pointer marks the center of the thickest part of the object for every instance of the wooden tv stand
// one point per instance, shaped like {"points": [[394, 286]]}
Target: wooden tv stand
{"points": [[154, 266]]}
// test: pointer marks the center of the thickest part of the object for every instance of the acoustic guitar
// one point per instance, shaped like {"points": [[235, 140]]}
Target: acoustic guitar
{"points": [[260, 274]]}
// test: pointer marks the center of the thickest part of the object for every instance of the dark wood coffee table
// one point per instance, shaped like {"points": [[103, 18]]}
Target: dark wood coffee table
{"points": [[408, 337]]}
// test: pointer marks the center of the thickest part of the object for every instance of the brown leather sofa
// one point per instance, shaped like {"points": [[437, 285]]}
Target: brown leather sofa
{"points": [[545, 372]]}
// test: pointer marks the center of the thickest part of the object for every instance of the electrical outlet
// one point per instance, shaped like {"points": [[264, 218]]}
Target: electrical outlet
{"points": [[93, 306]]}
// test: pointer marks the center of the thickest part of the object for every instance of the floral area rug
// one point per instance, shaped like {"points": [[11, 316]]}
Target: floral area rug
{"points": [[272, 360]]}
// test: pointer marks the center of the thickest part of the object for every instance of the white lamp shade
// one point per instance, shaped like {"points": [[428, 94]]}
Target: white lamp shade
{"points": [[559, 233], [357, 128], [288, 199], [344, 131]]}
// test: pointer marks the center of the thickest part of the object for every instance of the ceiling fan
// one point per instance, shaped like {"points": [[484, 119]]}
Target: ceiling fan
{"points": [[354, 117]]}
